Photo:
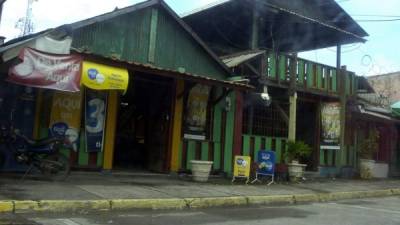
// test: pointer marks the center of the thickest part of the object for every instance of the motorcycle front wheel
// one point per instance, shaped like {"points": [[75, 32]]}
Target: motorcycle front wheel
{"points": [[56, 167]]}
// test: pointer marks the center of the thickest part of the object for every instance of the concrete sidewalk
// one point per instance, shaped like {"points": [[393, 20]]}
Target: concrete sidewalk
{"points": [[96, 191]]}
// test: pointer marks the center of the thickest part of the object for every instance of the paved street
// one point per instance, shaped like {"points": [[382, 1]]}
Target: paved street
{"points": [[366, 212]]}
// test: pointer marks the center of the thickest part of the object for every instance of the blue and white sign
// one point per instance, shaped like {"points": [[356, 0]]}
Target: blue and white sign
{"points": [[266, 162], [95, 114], [59, 129]]}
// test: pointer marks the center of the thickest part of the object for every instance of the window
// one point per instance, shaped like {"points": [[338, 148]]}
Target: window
{"points": [[266, 121]]}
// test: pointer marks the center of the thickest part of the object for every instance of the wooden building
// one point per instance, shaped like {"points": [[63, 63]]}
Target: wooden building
{"points": [[259, 40], [147, 127]]}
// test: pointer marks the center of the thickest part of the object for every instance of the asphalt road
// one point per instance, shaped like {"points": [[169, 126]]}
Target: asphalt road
{"points": [[351, 212]]}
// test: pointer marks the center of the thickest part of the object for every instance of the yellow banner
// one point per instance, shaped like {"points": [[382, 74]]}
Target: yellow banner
{"points": [[102, 77], [242, 166], [65, 118]]}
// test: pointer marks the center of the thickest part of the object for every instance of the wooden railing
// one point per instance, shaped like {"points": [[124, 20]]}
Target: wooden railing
{"points": [[310, 75]]}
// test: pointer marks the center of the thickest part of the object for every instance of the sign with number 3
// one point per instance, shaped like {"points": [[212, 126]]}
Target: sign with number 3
{"points": [[95, 114]]}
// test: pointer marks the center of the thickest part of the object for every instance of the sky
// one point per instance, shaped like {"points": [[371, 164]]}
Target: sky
{"points": [[379, 55]]}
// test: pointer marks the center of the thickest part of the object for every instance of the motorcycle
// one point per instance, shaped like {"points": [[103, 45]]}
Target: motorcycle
{"points": [[43, 155]]}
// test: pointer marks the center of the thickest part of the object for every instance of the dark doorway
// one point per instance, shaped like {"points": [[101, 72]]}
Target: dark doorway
{"points": [[307, 131], [143, 124]]}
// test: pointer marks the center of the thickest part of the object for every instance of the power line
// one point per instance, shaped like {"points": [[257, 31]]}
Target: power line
{"points": [[383, 20], [375, 15]]}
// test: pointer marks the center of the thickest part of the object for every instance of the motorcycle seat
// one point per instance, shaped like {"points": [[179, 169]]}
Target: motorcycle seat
{"points": [[39, 142]]}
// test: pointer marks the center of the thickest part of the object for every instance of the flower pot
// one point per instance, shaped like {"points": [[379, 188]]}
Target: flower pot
{"points": [[296, 171], [201, 170], [381, 170], [366, 168]]}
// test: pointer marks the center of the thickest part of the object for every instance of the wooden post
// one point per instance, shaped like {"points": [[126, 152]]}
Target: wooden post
{"points": [[341, 157], [111, 127], [292, 117], [153, 35], [338, 57], [237, 141], [254, 41], [318, 137], [292, 98], [177, 126]]}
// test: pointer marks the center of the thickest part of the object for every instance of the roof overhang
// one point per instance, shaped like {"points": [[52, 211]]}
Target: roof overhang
{"points": [[11, 49], [375, 114], [151, 69], [284, 25], [239, 58]]}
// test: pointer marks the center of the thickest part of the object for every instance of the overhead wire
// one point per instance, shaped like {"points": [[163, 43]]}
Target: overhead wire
{"points": [[378, 20]]}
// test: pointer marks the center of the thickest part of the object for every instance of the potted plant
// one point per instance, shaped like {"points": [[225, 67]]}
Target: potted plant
{"points": [[294, 152], [201, 170], [366, 151]]}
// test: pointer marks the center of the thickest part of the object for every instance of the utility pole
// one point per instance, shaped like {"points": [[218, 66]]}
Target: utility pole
{"points": [[1, 7], [2, 38], [25, 24]]}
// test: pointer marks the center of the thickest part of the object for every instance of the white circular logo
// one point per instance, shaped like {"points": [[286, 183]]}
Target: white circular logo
{"points": [[100, 78]]}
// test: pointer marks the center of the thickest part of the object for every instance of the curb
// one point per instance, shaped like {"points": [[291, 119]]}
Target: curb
{"points": [[80, 206]]}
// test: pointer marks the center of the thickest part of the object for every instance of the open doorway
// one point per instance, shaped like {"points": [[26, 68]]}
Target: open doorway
{"points": [[307, 131], [143, 124]]}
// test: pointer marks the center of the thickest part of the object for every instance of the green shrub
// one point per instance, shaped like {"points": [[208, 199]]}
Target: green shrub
{"points": [[369, 146], [296, 150]]}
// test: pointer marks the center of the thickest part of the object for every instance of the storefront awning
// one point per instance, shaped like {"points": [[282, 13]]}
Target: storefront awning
{"points": [[148, 68]]}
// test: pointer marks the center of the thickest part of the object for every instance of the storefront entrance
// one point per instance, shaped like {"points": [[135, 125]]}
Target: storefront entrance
{"points": [[143, 127], [307, 131]]}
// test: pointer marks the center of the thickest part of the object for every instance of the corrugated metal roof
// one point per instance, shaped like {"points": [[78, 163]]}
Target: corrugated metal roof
{"points": [[208, 6], [142, 5], [357, 29], [317, 21], [209, 56], [371, 113], [235, 60], [296, 25], [373, 99], [172, 73]]}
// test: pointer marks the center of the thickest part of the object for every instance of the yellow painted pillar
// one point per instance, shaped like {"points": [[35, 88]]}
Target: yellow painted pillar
{"points": [[177, 126], [292, 117], [111, 126]]}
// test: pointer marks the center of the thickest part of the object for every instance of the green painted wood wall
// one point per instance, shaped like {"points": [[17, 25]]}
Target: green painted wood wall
{"points": [[148, 36], [252, 144], [310, 74], [216, 141]]}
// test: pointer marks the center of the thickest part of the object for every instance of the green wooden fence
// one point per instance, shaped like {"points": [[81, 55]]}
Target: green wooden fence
{"points": [[310, 75]]}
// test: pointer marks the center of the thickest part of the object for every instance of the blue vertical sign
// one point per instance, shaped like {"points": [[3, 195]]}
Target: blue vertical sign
{"points": [[266, 162], [95, 115]]}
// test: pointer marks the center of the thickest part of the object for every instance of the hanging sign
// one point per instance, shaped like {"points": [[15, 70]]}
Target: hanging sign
{"points": [[102, 77], [330, 121], [196, 112], [242, 166], [51, 71], [65, 118], [95, 115], [266, 163]]}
